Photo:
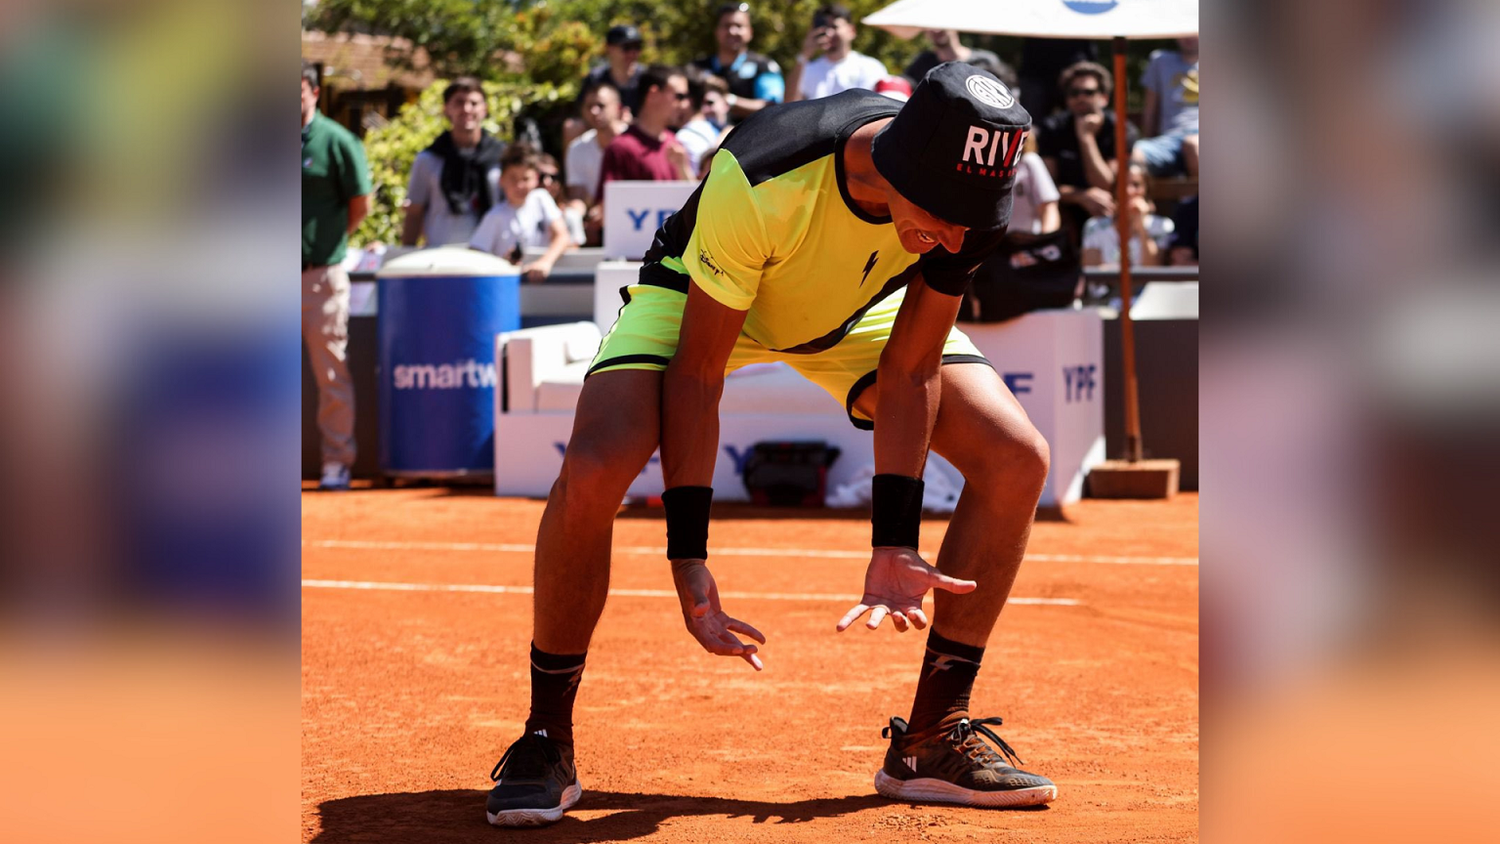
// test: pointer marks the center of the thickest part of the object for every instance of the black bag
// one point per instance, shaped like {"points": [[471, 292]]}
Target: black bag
{"points": [[1028, 272], [789, 474]]}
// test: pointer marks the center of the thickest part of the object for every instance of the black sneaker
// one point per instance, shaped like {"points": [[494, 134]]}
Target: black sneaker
{"points": [[535, 783], [951, 763]]}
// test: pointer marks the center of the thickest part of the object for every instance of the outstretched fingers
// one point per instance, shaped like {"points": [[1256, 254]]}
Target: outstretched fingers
{"points": [[953, 584], [851, 616], [741, 627]]}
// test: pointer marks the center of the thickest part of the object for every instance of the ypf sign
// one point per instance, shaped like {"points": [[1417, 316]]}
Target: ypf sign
{"points": [[633, 211]]}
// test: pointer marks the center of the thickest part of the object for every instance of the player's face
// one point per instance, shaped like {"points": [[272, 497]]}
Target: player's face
{"points": [[840, 35], [1085, 95], [733, 32], [309, 100], [673, 99], [517, 182], [602, 108], [920, 232], [465, 110], [716, 107]]}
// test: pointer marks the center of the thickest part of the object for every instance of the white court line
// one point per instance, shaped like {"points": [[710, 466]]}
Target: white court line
{"points": [[626, 593], [645, 550]]}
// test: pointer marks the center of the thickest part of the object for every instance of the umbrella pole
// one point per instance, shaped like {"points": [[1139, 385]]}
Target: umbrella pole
{"points": [[1133, 451]]}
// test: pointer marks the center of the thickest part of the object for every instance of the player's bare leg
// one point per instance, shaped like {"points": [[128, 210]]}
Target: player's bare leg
{"points": [[982, 430], [615, 429], [942, 754]]}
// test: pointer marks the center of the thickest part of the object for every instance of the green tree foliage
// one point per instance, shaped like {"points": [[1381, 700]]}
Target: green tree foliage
{"points": [[533, 54], [556, 40]]}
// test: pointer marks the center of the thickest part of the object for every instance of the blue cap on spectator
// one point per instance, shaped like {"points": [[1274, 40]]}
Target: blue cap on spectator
{"points": [[954, 146], [623, 34]]}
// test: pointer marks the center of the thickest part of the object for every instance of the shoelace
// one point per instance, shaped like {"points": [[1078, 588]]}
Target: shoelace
{"points": [[967, 736], [532, 755]]}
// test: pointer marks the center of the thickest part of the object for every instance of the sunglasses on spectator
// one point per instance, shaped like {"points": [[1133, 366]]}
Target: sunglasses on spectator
{"points": [[631, 48], [1082, 92], [548, 177]]}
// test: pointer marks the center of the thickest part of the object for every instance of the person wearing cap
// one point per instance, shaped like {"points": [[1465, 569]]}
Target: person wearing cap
{"points": [[895, 87], [754, 81], [828, 62], [621, 68], [836, 236]]}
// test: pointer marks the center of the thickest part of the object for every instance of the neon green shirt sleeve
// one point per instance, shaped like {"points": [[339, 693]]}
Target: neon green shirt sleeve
{"points": [[729, 246]]}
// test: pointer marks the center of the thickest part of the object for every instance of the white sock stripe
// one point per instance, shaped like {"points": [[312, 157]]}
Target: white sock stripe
{"points": [[578, 667]]}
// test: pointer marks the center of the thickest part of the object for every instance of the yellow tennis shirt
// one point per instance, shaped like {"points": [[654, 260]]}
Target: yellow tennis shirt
{"points": [[773, 230]]}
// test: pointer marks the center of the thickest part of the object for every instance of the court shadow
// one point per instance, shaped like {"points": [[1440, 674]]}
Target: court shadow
{"points": [[457, 815]]}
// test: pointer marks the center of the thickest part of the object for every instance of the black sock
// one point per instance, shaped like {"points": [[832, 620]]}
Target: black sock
{"points": [[554, 685], [948, 672]]}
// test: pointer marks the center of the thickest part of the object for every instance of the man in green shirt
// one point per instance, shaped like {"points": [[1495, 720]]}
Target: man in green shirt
{"points": [[335, 198]]}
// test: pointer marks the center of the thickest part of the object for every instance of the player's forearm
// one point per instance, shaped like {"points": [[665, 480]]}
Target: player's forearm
{"points": [[794, 81], [689, 425], [560, 243], [1098, 171], [411, 225], [906, 411], [359, 208]]}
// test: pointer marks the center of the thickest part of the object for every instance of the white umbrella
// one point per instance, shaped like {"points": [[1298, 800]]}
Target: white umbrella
{"points": [[1043, 18], [1113, 19]]}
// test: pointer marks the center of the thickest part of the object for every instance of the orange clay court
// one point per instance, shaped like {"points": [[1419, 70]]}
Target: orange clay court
{"points": [[416, 612]]}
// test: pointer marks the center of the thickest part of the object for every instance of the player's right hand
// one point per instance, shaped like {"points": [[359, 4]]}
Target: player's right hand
{"points": [[705, 619]]}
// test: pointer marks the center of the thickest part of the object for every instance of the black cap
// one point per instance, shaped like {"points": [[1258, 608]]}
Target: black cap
{"points": [[954, 147], [622, 34]]}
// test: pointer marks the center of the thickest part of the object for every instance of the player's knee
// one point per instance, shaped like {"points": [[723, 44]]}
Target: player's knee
{"points": [[592, 480], [1020, 460]]}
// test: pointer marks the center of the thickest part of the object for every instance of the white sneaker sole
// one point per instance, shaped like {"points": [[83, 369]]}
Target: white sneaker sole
{"points": [[537, 817], [928, 790]]}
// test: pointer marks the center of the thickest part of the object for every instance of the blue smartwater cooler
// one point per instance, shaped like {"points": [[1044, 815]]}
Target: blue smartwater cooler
{"points": [[438, 313]]}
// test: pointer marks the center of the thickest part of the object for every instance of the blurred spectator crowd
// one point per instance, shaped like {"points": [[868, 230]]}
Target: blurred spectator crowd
{"points": [[632, 121], [635, 121]]}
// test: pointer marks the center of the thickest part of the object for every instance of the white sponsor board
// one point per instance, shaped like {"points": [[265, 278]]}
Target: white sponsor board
{"points": [[633, 211], [1051, 360]]}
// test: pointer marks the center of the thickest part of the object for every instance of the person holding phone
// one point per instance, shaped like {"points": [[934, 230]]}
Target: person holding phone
{"points": [[828, 62]]}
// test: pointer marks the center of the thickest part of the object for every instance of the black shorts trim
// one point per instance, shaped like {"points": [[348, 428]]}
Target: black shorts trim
{"points": [[657, 275], [868, 378], [622, 359]]}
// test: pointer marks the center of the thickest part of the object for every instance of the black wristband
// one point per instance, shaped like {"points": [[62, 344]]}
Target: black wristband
{"points": [[895, 511], [687, 521]]}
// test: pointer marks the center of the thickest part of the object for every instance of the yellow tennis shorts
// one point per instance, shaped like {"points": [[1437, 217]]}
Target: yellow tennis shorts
{"points": [[645, 337]]}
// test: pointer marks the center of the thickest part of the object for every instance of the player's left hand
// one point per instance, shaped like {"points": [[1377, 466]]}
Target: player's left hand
{"points": [[895, 583], [705, 618]]}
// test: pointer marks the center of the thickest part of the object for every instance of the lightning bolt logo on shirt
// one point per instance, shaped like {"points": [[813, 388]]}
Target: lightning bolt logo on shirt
{"points": [[869, 265]]}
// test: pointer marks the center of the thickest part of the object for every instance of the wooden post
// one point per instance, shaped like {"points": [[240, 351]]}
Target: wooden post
{"points": [[1133, 450]]}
